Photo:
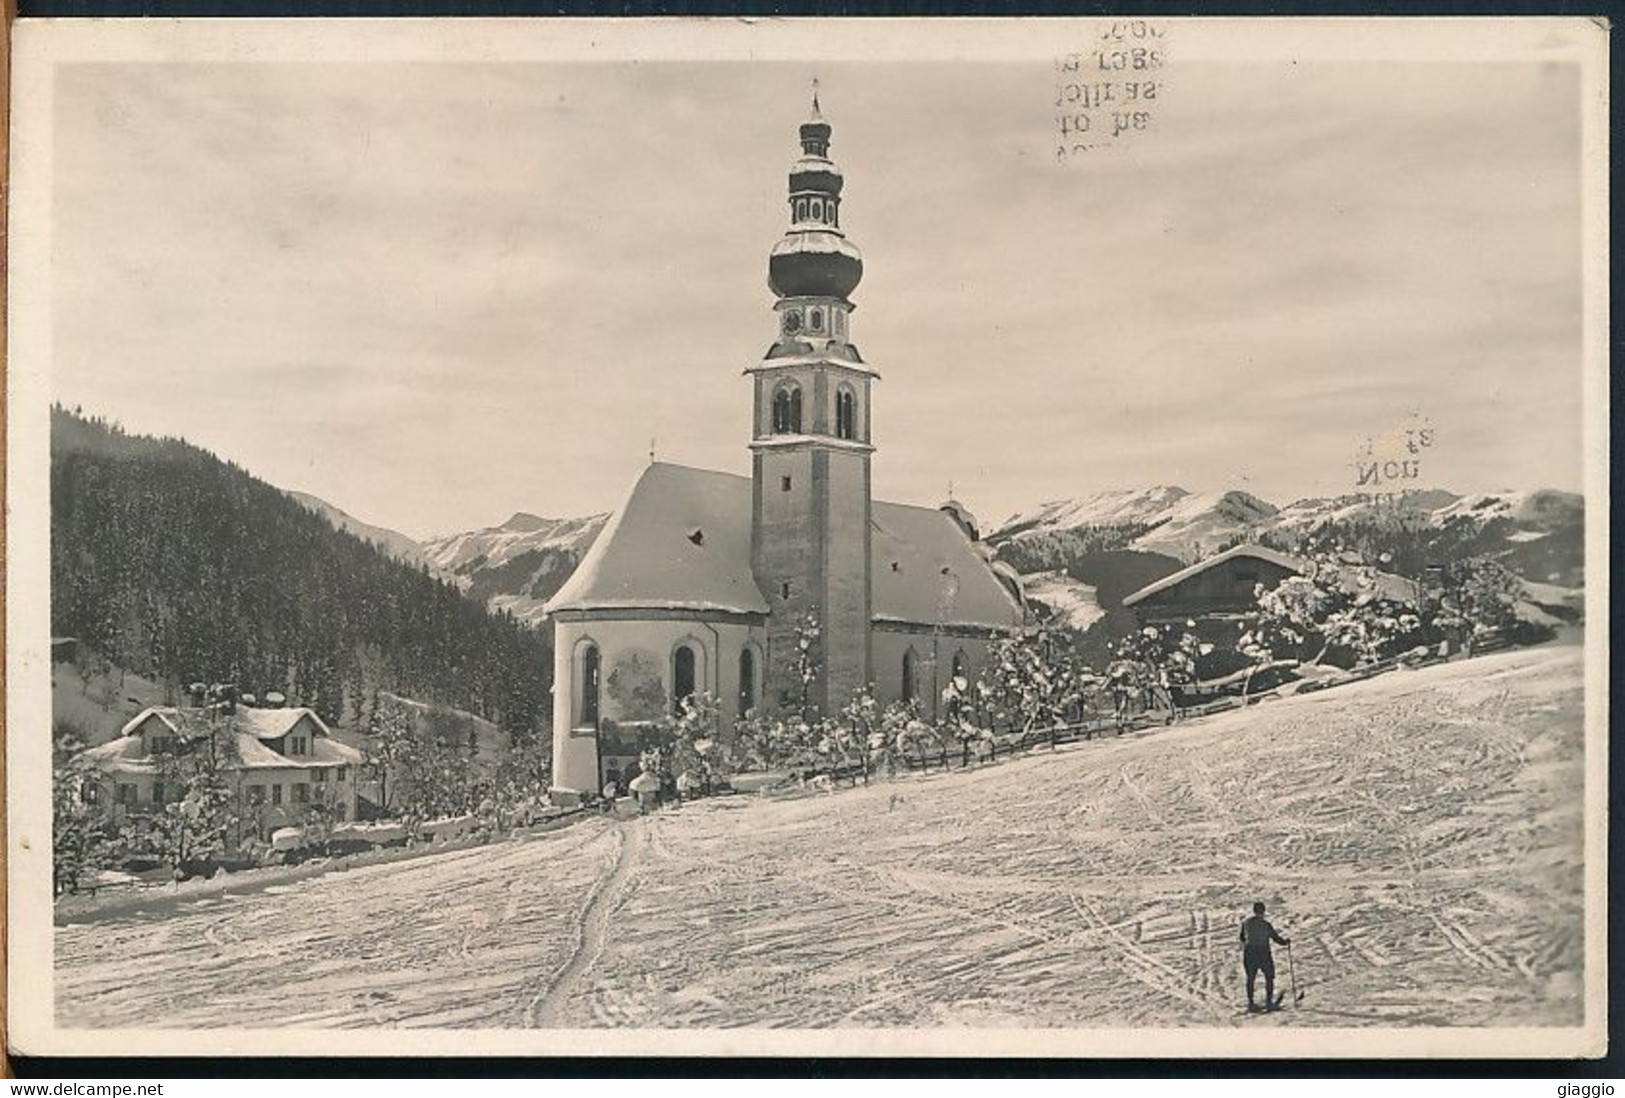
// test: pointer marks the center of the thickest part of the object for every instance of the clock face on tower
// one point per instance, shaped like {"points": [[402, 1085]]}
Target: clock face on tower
{"points": [[792, 321]]}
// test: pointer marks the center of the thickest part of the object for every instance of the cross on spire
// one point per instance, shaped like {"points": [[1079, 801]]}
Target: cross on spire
{"points": [[815, 111]]}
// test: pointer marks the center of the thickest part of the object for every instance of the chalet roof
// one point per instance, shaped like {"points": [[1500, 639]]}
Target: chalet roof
{"points": [[253, 726], [682, 542], [123, 755], [265, 724], [1392, 586], [163, 713], [270, 724]]}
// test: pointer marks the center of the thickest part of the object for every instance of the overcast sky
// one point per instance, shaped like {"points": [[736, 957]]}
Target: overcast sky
{"points": [[435, 294]]}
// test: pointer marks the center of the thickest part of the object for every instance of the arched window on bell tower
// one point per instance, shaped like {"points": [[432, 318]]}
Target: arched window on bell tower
{"points": [[846, 413], [787, 409]]}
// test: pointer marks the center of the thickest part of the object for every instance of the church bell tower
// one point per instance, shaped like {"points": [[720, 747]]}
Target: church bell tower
{"points": [[810, 448]]}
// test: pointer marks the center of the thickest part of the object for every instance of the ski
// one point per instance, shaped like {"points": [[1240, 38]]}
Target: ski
{"points": [[1268, 1008]]}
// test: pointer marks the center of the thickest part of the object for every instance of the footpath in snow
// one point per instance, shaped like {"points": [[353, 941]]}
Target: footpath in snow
{"points": [[1418, 836]]}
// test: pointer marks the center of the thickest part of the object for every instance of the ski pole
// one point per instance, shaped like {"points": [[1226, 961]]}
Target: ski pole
{"points": [[1292, 973]]}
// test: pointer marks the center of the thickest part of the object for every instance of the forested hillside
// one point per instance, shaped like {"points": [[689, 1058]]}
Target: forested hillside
{"points": [[175, 564]]}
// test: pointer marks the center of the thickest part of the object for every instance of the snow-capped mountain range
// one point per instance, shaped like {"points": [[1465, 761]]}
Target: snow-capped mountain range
{"points": [[1187, 525], [518, 565]]}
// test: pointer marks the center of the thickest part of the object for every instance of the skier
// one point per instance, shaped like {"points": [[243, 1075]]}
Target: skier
{"points": [[1256, 936]]}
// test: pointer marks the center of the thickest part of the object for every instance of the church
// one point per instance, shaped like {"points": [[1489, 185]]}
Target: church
{"points": [[709, 582]]}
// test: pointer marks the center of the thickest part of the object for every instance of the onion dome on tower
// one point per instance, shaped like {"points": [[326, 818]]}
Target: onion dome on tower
{"points": [[814, 259]]}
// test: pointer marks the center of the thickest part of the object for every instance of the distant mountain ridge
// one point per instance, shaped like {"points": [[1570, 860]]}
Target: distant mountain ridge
{"points": [[1172, 521], [392, 542], [518, 565]]}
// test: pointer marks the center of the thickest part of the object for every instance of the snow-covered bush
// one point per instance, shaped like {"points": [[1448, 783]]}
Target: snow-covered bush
{"points": [[1475, 597]]}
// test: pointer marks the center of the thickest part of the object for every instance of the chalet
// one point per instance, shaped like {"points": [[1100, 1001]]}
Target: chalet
{"points": [[1213, 597], [283, 766]]}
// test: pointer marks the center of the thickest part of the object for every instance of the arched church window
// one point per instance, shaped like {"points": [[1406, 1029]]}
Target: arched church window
{"points": [[801, 209], [817, 210], [910, 688], [846, 413], [587, 675], [682, 676], [747, 681], [787, 410], [816, 319]]}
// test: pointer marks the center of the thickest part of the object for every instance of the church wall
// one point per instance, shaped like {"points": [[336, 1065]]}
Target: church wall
{"points": [[635, 683], [934, 655]]}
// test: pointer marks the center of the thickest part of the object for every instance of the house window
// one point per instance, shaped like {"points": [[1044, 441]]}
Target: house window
{"points": [[784, 589], [256, 794], [344, 773], [297, 745], [340, 811], [747, 680], [682, 676], [157, 792], [124, 793], [90, 792], [784, 484], [787, 410], [276, 793], [301, 793], [319, 776], [588, 676], [910, 690], [846, 413]]}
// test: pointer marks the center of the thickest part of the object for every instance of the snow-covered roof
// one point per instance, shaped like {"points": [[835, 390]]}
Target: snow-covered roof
{"points": [[127, 755], [163, 713], [925, 570], [270, 724], [324, 751], [682, 541], [824, 240], [121, 756], [1394, 587]]}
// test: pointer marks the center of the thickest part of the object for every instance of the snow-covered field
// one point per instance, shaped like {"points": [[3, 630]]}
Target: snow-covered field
{"points": [[1418, 836]]}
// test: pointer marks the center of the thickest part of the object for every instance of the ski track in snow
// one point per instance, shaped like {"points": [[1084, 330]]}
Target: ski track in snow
{"points": [[1418, 836]]}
